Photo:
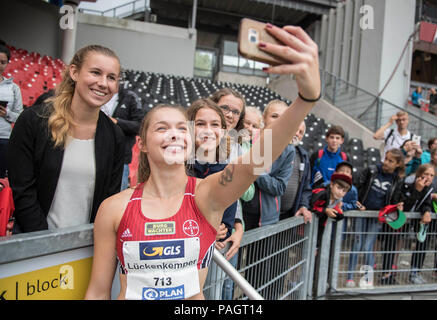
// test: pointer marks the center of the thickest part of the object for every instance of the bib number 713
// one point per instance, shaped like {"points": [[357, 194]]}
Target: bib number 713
{"points": [[162, 281]]}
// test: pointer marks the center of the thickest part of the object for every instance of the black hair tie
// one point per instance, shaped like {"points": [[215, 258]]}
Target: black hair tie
{"points": [[310, 100]]}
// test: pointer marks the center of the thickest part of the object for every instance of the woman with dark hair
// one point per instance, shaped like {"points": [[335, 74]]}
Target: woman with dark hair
{"points": [[11, 106], [66, 156], [162, 232]]}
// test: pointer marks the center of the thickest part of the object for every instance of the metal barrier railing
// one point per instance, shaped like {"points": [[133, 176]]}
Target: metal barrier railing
{"points": [[371, 110], [277, 260], [364, 250]]}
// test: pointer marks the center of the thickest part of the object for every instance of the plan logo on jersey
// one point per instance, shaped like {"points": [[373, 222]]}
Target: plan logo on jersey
{"points": [[164, 293], [191, 228], [162, 249]]}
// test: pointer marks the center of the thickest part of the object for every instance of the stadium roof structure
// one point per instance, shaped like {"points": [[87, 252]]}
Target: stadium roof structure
{"points": [[224, 16]]}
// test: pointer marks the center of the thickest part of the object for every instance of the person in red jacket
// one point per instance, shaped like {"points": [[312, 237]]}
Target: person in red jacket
{"points": [[327, 202]]}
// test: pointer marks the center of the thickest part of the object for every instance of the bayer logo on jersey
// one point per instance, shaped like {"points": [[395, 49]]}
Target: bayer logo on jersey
{"points": [[164, 293], [162, 249]]}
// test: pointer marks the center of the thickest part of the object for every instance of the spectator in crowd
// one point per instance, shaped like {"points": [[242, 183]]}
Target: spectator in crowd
{"points": [[209, 130], [350, 199], [416, 197], [11, 106], [253, 123], [433, 101], [164, 187], [394, 138], [416, 96], [324, 161], [264, 208], [233, 107], [66, 157], [296, 199], [412, 156], [327, 202], [126, 111], [376, 188], [426, 155]]}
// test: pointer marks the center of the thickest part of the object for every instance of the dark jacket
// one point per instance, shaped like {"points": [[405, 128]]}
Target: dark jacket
{"points": [[129, 114], [365, 181], [199, 170], [414, 200], [319, 203], [304, 191], [35, 166]]}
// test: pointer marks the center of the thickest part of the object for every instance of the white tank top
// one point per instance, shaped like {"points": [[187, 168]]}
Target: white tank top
{"points": [[72, 203]]}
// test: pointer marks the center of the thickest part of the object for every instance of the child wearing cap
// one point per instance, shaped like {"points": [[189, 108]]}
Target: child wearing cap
{"points": [[416, 197], [327, 202], [376, 186]]}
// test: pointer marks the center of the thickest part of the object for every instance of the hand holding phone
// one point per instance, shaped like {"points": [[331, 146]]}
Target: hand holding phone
{"points": [[290, 51], [251, 33], [416, 139]]}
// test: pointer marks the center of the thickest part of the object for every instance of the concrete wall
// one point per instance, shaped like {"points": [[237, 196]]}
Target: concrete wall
{"points": [[366, 57], [141, 45], [31, 25], [286, 87]]}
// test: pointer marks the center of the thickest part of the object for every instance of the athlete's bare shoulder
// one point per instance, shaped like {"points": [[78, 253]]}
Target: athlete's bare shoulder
{"points": [[115, 205]]}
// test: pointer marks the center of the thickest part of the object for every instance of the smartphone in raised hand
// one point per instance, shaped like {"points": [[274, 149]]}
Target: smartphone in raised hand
{"points": [[416, 139], [251, 32]]}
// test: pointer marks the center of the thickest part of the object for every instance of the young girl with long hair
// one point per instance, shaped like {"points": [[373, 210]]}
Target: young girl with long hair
{"points": [[162, 232], [416, 196], [66, 156], [376, 188]]}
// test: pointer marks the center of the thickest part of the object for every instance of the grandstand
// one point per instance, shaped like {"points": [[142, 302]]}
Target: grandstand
{"points": [[33, 73], [177, 51]]}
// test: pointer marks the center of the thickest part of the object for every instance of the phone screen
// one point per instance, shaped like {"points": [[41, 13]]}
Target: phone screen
{"points": [[416, 140], [3, 103]]}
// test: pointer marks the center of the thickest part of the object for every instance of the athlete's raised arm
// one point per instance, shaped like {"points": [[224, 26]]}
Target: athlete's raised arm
{"points": [[218, 191]]}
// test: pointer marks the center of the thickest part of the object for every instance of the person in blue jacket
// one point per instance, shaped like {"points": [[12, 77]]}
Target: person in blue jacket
{"points": [[324, 161], [416, 96], [264, 208]]}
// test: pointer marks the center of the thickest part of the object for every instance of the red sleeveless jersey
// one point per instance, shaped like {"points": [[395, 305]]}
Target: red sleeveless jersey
{"points": [[188, 222]]}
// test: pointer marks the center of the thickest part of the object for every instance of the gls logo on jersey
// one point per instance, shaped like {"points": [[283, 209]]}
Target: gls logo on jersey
{"points": [[162, 250]]}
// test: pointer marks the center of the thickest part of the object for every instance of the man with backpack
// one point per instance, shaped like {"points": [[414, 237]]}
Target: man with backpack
{"points": [[324, 161], [394, 138]]}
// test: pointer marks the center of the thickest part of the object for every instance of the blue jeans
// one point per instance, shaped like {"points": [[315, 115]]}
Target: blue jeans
{"points": [[366, 230], [125, 178], [228, 284]]}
